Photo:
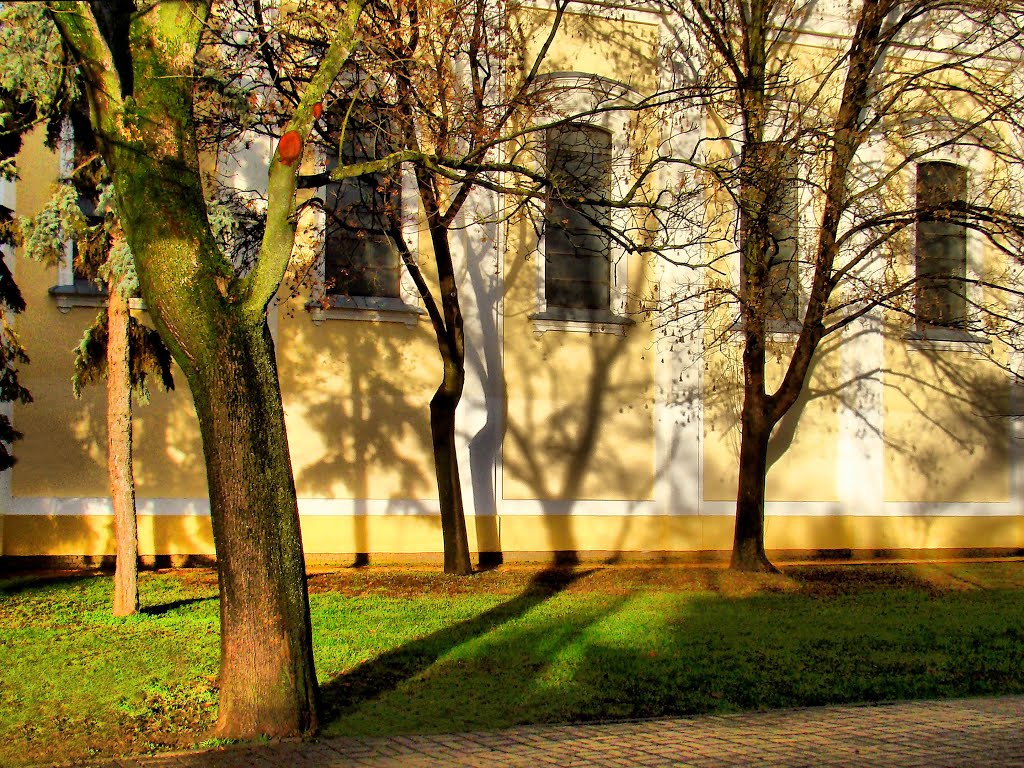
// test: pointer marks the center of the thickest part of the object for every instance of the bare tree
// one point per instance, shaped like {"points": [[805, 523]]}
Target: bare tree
{"points": [[823, 155], [443, 95]]}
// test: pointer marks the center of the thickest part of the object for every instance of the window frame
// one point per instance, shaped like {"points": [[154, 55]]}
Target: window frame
{"points": [[405, 308], [938, 337], [592, 216], [577, 98], [936, 286], [794, 292], [70, 292], [782, 327]]}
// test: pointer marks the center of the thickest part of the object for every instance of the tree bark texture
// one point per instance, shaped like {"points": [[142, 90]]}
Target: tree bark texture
{"points": [[223, 346], [139, 68], [119, 454], [268, 683], [755, 430], [748, 534]]}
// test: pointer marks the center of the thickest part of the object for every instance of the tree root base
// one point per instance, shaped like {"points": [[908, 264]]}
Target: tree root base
{"points": [[752, 564]]}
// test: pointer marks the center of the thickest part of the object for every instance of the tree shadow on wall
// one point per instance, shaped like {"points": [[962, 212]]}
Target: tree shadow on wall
{"points": [[937, 421], [362, 388], [564, 453], [166, 448], [956, 410], [482, 294]]}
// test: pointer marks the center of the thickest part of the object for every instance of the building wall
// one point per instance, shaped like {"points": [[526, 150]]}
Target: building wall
{"points": [[586, 441]]}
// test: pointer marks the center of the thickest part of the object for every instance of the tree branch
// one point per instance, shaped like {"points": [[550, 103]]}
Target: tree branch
{"points": [[259, 287]]}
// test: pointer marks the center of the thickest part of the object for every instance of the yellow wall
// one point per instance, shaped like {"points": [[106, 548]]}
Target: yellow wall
{"points": [[945, 426], [802, 453], [329, 534], [356, 399], [94, 535], [580, 418], [579, 412], [621, 50], [63, 452]]}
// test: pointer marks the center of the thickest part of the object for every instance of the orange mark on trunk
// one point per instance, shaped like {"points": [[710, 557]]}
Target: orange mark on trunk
{"points": [[289, 148]]}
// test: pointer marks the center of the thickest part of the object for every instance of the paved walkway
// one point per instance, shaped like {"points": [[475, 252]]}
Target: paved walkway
{"points": [[973, 732]]}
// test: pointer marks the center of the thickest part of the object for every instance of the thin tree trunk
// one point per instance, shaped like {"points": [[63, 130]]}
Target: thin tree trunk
{"points": [[748, 537], [119, 454], [756, 429], [268, 683], [448, 330], [446, 465]]}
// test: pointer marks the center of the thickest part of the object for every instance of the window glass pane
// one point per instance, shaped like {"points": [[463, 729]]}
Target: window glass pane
{"points": [[576, 243], [363, 214], [782, 201], [941, 245]]}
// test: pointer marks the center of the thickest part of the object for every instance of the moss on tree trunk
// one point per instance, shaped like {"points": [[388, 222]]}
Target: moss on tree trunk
{"points": [[268, 684]]}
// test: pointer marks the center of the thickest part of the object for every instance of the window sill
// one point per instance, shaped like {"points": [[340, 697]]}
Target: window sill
{"points": [[579, 321], [775, 330], [946, 340], [69, 296], [364, 308], [785, 329]]}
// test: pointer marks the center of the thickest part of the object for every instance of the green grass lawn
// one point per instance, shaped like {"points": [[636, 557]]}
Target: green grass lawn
{"points": [[411, 650]]}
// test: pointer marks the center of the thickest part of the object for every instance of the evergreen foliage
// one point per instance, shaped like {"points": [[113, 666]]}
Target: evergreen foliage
{"points": [[147, 356], [34, 87]]}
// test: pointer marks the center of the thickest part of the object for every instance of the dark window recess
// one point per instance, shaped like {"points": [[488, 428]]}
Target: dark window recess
{"points": [[577, 246], [783, 289], [941, 245], [780, 189], [363, 215], [83, 269]]}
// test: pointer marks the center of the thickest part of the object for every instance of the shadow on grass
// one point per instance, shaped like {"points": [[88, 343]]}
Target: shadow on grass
{"points": [[386, 672], [15, 584], [895, 635], [824, 581], [160, 610]]}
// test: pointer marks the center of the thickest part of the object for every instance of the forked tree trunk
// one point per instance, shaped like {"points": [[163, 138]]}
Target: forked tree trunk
{"points": [[139, 66], [446, 465], [119, 454], [268, 684]]}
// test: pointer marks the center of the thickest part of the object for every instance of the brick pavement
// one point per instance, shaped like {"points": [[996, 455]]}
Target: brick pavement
{"points": [[961, 733]]}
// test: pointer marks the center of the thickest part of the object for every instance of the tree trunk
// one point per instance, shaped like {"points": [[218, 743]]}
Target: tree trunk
{"points": [[119, 454], [451, 343], [756, 429], [446, 465], [268, 684], [748, 536], [140, 70]]}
